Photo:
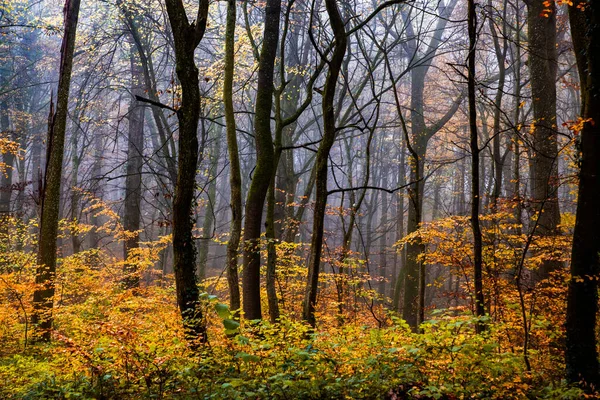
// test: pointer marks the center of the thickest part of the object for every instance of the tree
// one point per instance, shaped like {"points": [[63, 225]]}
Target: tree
{"points": [[263, 171], [133, 180], [43, 297], [541, 21], [8, 160], [187, 37], [475, 191], [581, 353], [235, 178], [501, 49], [335, 64], [414, 288]]}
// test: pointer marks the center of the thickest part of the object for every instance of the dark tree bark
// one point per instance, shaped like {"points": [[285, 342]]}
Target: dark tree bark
{"points": [[582, 300], [43, 297], [335, 64], [475, 192], [235, 177], [187, 37], [265, 156], [133, 179], [283, 182], [541, 21]]}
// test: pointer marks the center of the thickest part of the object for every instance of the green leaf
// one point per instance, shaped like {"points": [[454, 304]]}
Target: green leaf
{"points": [[231, 325], [246, 357], [242, 340], [223, 310]]}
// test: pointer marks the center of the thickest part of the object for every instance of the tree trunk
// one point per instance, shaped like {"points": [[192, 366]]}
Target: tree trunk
{"points": [[399, 257], [133, 179], [8, 160], [235, 177], [582, 300], [264, 162], [383, 242], [270, 234], [186, 38], [413, 302], [335, 64], [541, 20], [209, 212], [75, 194], [475, 192], [43, 297], [165, 147], [500, 51], [96, 189]]}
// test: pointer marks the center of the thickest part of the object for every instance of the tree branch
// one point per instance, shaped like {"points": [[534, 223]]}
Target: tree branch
{"points": [[154, 103]]}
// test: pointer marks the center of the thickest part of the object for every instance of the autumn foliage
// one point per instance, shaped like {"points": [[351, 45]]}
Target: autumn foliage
{"points": [[116, 343]]}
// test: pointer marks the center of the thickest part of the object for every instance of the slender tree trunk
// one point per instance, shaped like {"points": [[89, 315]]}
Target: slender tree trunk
{"points": [[165, 147], [96, 189], [272, 249], [133, 179], [414, 267], [500, 51], [75, 195], [475, 192], [209, 212], [399, 257], [235, 177], [299, 216], [36, 171], [43, 297], [335, 64], [516, 139], [383, 242], [8, 160]]}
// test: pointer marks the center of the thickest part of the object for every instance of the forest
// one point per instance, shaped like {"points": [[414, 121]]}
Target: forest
{"points": [[299, 199]]}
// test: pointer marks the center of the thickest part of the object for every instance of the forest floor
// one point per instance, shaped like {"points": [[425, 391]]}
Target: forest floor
{"points": [[111, 343]]}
